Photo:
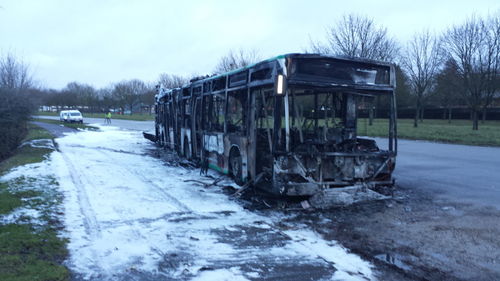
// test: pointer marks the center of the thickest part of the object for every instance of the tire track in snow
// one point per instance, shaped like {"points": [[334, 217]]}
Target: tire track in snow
{"points": [[93, 227], [166, 217], [171, 199], [105, 148], [90, 223], [89, 218], [88, 178]]}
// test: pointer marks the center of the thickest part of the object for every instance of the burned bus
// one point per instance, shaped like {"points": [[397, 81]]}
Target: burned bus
{"points": [[288, 125]]}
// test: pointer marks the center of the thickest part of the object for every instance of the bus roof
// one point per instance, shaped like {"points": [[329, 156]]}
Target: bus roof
{"points": [[283, 56], [298, 55]]}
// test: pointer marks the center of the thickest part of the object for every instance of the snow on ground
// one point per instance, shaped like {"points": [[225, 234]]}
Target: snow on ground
{"points": [[36, 176], [16, 215], [129, 214]]}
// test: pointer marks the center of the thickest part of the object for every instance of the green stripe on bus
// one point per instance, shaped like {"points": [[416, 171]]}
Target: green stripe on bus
{"points": [[217, 168]]}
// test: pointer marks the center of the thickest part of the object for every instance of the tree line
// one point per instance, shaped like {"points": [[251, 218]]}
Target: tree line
{"points": [[457, 68], [131, 95], [128, 95]]}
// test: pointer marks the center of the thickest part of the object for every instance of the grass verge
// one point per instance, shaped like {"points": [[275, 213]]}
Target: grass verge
{"points": [[30, 247], [135, 117], [458, 131], [69, 125], [31, 254], [26, 154]]}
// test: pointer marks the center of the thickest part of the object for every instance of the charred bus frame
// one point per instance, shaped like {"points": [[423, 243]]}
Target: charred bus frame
{"points": [[287, 124]]}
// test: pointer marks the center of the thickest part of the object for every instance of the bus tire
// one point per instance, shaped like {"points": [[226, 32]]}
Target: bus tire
{"points": [[235, 166]]}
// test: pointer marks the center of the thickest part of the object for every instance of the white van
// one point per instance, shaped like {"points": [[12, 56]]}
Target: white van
{"points": [[71, 116]]}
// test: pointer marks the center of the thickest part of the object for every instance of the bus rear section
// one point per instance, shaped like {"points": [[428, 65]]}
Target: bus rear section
{"points": [[315, 139]]}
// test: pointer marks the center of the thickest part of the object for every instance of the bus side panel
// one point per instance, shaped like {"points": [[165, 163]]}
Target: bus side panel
{"points": [[214, 147]]}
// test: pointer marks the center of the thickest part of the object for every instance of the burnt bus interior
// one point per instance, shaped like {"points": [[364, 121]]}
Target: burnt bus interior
{"points": [[288, 125]]}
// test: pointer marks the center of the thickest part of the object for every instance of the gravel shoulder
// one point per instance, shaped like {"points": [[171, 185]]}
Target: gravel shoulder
{"points": [[418, 237]]}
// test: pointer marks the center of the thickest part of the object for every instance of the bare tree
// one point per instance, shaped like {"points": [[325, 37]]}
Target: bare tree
{"points": [[14, 74], [84, 95], [170, 81], [475, 48], [148, 97], [357, 36], [492, 45], [448, 88], [128, 93], [52, 97], [106, 98], [421, 61], [236, 59], [403, 89]]}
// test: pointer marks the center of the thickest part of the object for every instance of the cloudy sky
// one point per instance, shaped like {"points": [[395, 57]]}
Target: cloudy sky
{"points": [[104, 41]]}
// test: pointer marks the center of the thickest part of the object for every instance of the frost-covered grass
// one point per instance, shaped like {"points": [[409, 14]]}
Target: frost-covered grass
{"points": [[30, 245], [458, 131], [8, 201], [24, 155]]}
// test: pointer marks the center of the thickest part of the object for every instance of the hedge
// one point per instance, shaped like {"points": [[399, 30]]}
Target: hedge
{"points": [[15, 110]]}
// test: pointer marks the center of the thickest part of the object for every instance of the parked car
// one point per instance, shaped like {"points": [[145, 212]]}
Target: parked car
{"points": [[71, 116]]}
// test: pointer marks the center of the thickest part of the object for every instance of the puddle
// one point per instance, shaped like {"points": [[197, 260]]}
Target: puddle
{"points": [[393, 260]]}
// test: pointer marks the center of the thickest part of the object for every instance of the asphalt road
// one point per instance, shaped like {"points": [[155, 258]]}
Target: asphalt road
{"points": [[125, 124], [56, 130], [458, 173], [441, 224]]}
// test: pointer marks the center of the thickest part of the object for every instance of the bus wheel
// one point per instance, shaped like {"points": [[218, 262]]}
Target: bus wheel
{"points": [[235, 167]]}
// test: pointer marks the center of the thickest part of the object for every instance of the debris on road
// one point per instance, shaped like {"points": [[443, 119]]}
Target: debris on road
{"points": [[337, 197]]}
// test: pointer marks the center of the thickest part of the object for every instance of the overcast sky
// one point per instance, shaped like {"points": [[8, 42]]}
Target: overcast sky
{"points": [[100, 42]]}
